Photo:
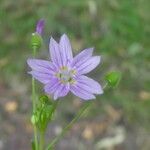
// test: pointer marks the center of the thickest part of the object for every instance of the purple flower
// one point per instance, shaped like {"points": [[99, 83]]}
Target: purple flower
{"points": [[40, 26], [65, 73]]}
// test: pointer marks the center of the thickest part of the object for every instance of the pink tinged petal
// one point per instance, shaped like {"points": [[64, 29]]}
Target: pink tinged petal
{"points": [[61, 91], [89, 85], [41, 65], [42, 77], [66, 50], [81, 92], [55, 52], [89, 65], [82, 57], [52, 86]]}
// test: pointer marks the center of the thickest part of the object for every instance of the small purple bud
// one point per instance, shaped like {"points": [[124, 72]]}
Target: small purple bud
{"points": [[40, 26]]}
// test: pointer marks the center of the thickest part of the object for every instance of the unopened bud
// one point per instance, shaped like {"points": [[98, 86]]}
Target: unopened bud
{"points": [[34, 119], [40, 26], [113, 78], [36, 40]]}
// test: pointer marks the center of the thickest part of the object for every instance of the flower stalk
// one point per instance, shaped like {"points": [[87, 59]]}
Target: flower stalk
{"points": [[36, 41], [69, 126], [42, 140], [34, 103], [79, 114]]}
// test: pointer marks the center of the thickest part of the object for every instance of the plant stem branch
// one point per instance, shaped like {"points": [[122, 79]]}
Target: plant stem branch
{"points": [[79, 114]]}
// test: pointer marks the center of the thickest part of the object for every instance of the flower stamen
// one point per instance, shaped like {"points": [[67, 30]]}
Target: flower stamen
{"points": [[65, 75]]}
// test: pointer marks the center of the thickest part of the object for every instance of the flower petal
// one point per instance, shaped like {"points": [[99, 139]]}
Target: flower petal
{"points": [[61, 91], [52, 86], [82, 57], [55, 52], [41, 65], [42, 77], [66, 50], [40, 26], [88, 65], [89, 85], [81, 92]]}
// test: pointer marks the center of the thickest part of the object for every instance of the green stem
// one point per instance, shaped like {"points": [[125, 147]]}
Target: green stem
{"points": [[42, 140], [79, 114], [33, 86], [34, 105], [106, 84], [33, 94]]}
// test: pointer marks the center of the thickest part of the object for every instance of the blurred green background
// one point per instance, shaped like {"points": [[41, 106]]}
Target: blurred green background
{"points": [[120, 32]]}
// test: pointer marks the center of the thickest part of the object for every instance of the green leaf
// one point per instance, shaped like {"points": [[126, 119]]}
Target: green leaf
{"points": [[44, 112], [113, 78]]}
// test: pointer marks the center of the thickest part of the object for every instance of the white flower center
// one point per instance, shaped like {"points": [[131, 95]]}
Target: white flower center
{"points": [[66, 75]]}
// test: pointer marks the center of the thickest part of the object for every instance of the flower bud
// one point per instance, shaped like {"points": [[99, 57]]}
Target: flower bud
{"points": [[34, 119], [40, 26], [36, 41], [113, 78], [44, 99]]}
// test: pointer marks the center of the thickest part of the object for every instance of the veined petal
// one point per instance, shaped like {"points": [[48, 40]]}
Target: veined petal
{"points": [[65, 90], [88, 65], [42, 77], [41, 65], [61, 91], [89, 84], [82, 57], [55, 53], [66, 50], [52, 86], [81, 92]]}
